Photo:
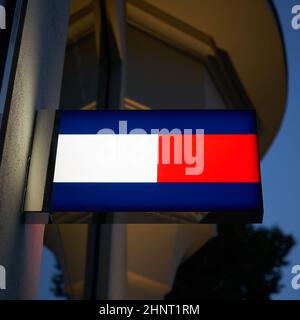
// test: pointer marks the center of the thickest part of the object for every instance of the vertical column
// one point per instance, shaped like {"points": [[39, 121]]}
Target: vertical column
{"points": [[106, 268], [37, 85]]}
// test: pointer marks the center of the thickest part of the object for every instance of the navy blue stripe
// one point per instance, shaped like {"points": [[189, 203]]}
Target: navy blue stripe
{"points": [[100, 197], [212, 121]]}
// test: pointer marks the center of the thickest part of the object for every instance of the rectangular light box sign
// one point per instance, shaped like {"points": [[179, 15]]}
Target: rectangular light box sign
{"points": [[124, 161]]}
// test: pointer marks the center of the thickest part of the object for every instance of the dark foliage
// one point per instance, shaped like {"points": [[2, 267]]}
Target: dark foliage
{"points": [[242, 262], [58, 283]]}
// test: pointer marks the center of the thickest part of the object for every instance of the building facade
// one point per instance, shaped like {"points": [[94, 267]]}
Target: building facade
{"points": [[114, 54]]}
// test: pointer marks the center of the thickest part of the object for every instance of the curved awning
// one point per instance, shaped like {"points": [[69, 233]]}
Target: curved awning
{"points": [[249, 32]]}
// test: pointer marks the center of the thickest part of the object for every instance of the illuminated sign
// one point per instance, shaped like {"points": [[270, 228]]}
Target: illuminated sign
{"points": [[191, 161]]}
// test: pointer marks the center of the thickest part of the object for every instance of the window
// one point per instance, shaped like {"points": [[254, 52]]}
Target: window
{"points": [[163, 77], [79, 85]]}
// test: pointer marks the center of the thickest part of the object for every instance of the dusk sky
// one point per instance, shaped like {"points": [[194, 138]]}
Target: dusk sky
{"points": [[280, 167]]}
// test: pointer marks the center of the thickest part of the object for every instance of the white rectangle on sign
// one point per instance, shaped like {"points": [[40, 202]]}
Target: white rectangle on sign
{"points": [[106, 158]]}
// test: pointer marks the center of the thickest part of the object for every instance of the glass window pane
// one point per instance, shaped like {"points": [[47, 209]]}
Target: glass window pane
{"points": [[161, 76], [79, 86]]}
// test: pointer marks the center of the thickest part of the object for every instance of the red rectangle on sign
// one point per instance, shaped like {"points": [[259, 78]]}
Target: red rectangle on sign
{"points": [[227, 158]]}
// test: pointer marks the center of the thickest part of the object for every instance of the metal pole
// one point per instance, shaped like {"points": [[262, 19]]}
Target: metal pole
{"points": [[110, 41]]}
